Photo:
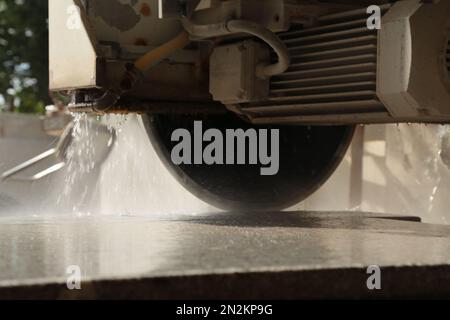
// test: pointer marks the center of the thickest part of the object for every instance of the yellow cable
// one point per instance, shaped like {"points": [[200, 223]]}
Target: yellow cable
{"points": [[150, 58]]}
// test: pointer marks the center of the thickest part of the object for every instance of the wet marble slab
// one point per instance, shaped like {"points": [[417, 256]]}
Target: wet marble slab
{"points": [[223, 256]]}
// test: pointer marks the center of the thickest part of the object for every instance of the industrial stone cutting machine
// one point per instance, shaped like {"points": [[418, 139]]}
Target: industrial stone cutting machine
{"points": [[312, 69]]}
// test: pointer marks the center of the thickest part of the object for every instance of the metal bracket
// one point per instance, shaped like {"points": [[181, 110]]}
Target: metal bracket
{"points": [[169, 9]]}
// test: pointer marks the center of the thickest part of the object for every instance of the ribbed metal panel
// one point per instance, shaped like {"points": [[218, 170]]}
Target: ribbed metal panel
{"points": [[448, 57], [333, 72]]}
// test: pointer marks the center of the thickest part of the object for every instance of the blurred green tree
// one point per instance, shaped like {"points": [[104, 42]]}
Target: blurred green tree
{"points": [[24, 55]]}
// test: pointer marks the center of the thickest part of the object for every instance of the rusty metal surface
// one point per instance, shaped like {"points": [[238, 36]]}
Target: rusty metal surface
{"points": [[236, 255]]}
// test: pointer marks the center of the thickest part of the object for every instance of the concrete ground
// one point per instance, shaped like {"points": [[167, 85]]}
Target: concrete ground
{"points": [[21, 138]]}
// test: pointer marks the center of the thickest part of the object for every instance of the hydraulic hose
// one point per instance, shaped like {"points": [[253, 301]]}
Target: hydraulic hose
{"points": [[165, 50], [284, 58], [254, 29], [110, 97]]}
